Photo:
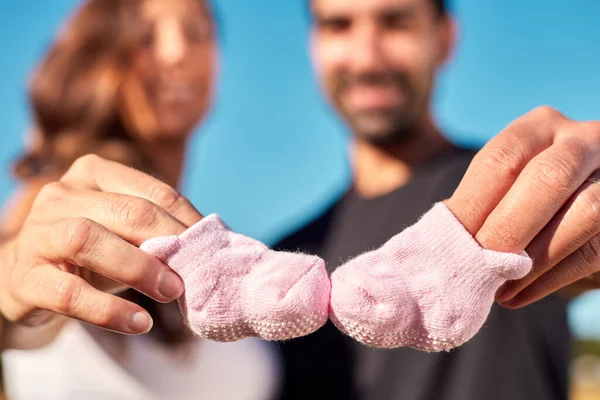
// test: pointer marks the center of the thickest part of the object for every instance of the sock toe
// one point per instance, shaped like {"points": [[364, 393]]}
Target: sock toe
{"points": [[236, 287], [430, 287], [288, 295]]}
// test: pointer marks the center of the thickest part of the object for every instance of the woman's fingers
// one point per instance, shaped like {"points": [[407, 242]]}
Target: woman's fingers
{"points": [[94, 231], [87, 244], [95, 173], [61, 292], [133, 218]]}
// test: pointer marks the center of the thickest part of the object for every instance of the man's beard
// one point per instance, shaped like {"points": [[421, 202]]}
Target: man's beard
{"points": [[381, 125]]}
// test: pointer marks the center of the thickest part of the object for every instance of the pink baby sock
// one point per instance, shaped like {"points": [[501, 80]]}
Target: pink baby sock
{"points": [[236, 287], [430, 287]]}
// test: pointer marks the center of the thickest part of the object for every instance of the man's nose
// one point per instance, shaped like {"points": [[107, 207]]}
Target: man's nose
{"points": [[366, 51]]}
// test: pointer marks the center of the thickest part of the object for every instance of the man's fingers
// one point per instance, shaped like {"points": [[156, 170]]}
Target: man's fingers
{"points": [[498, 165], [84, 243], [576, 224], [64, 293], [541, 190], [582, 264], [132, 218], [95, 173]]}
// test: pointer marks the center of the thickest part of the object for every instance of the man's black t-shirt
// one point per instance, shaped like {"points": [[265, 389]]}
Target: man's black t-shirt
{"points": [[518, 355]]}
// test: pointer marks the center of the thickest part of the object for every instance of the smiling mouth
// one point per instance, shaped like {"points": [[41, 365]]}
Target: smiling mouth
{"points": [[364, 97], [176, 93]]}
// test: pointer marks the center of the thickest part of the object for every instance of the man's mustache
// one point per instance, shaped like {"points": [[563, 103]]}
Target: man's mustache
{"points": [[345, 81]]}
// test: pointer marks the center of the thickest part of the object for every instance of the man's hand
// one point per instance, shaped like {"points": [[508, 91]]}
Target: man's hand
{"points": [[531, 188], [78, 247]]}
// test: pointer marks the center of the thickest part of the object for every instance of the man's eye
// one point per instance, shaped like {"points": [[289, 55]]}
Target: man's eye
{"points": [[396, 21], [334, 24]]}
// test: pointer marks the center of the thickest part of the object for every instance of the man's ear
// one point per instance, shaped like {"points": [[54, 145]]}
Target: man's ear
{"points": [[448, 37]]}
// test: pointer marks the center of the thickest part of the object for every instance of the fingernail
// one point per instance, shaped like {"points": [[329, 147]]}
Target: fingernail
{"points": [[510, 304], [171, 285], [140, 322], [501, 292]]}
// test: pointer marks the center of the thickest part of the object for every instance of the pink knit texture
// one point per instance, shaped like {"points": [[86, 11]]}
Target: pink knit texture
{"points": [[236, 287], [430, 287]]}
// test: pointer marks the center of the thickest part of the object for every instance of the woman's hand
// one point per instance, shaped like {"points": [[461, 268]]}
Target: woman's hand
{"points": [[78, 247]]}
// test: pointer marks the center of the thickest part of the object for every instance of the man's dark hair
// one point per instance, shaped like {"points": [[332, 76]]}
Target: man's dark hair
{"points": [[441, 6]]}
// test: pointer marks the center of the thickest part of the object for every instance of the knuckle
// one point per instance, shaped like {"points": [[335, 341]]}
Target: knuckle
{"points": [[68, 296], [546, 112], [589, 206], [500, 238], [575, 149], [555, 173], [136, 276], [165, 196], [102, 311], [79, 237], [137, 213], [590, 255], [51, 192], [17, 291], [506, 160], [86, 163]]}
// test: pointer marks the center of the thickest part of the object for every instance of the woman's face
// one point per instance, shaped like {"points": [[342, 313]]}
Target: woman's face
{"points": [[168, 86]]}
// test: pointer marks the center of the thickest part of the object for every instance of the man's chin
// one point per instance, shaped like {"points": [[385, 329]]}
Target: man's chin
{"points": [[383, 138], [378, 131]]}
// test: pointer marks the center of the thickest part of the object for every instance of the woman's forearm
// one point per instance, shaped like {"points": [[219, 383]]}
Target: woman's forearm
{"points": [[3, 322], [2, 328]]}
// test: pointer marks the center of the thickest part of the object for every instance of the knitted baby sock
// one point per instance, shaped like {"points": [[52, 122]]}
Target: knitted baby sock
{"points": [[430, 287], [236, 287]]}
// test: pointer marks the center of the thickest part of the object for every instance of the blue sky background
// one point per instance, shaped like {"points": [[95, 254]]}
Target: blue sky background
{"points": [[272, 154]]}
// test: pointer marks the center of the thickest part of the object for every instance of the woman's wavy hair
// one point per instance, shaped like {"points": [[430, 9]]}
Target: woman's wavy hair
{"points": [[74, 99]]}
